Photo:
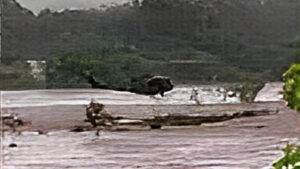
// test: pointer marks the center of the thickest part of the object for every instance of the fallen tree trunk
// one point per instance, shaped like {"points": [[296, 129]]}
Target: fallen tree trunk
{"points": [[130, 117]]}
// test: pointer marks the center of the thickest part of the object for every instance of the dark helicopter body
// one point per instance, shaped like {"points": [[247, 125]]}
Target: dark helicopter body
{"points": [[159, 85], [145, 85], [151, 86]]}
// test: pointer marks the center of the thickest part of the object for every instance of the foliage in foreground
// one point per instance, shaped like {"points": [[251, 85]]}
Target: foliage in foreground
{"points": [[292, 86], [291, 158]]}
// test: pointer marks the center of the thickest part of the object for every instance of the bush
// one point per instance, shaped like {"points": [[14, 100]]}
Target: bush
{"points": [[291, 158], [292, 86]]}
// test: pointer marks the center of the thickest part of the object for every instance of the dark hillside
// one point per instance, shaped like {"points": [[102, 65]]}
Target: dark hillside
{"points": [[207, 40]]}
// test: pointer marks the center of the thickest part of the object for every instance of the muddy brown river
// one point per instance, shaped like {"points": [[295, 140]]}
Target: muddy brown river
{"points": [[241, 143]]}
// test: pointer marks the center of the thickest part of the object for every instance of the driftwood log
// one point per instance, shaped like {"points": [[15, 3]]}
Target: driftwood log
{"points": [[157, 116]]}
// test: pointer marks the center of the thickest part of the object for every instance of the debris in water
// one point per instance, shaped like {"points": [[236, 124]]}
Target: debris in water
{"points": [[194, 96], [77, 129], [12, 121], [40, 132], [231, 94], [12, 145], [97, 115], [155, 126], [259, 127], [81, 128]]}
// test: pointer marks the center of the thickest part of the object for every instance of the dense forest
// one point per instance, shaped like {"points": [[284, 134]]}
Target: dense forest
{"points": [[191, 41]]}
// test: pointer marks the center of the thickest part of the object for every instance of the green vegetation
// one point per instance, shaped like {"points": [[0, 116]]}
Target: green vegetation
{"points": [[115, 65], [17, 75], [292, 86], [205, 41], [112, 66], [292, 81], [291, 158]]}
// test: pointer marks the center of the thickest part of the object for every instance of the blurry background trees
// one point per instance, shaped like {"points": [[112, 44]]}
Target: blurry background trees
{"points": [[192, 41]]}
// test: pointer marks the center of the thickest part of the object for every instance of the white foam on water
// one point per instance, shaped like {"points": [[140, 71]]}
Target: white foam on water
{"points": [[179, 95]]}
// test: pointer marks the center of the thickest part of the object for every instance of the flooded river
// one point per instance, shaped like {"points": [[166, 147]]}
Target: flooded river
{"points": [[241, 143], [179, 95]]}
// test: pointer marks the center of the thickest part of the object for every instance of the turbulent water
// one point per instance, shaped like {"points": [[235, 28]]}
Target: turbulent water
{"points": [[270, 92], [179, 95], [242, 143]]}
